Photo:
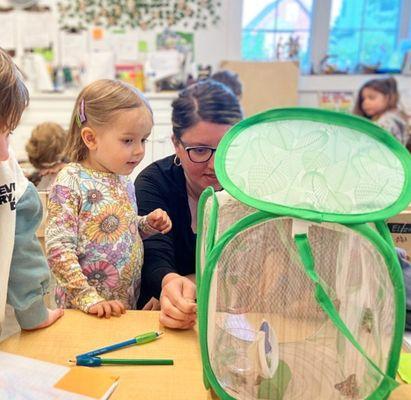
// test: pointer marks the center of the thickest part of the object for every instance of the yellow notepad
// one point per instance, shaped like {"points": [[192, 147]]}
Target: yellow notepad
{"points": [[404, 368], [94, 383]]}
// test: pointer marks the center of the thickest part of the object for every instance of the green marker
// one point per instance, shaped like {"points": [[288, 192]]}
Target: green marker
{"points": [[97, 361]]}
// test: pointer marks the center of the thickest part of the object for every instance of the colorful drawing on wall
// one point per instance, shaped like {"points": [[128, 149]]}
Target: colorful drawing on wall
{"points": [[183, 42], [336, 101]]}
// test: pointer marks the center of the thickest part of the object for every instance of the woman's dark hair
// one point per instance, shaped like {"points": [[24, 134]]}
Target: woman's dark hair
{"points": [[387, 87], [229, 79], [208, 101], [408, 144]]}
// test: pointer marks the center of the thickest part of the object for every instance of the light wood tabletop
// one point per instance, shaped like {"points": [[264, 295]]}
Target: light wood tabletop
{"points": [[77, 333]]}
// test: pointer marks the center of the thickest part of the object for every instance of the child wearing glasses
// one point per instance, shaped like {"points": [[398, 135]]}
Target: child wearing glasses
{"points": [[201, 115], [93, 230]]}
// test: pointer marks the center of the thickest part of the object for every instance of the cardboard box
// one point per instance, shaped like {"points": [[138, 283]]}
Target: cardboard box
{"points": [[400, 228], [266, 85]]}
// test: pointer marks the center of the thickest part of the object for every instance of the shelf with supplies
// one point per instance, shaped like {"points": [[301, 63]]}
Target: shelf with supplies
{"points": [[57, 107]]}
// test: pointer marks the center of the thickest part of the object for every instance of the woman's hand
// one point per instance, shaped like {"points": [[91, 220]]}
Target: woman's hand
{"points": [[107, 309], [53, 316], [159, 220], [178, 302]]}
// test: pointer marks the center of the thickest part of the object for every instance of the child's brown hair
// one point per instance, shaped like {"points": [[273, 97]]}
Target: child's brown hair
{"points": [[386, 86], [46, 145], [14, 96], [230, 79], [95, 106]]}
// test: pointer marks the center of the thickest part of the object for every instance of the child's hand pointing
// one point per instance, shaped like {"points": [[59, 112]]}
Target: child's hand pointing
{"points": [[159, 220]]}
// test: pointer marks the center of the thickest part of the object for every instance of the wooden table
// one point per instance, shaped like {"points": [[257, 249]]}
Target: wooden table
{"points": [[77, 333]]}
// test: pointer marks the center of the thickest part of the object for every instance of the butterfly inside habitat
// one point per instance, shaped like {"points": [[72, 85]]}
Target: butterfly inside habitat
{"points": [[349, 387]]}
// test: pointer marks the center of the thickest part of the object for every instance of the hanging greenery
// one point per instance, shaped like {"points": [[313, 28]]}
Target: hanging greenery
{"points": [[144, 14]]}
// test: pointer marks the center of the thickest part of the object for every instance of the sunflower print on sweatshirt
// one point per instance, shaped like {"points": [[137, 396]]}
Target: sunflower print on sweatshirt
{"points": [[93, 238]]}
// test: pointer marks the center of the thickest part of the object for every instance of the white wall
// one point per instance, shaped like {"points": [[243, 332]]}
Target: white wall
{"points": [[222, 42], [212, 45]]}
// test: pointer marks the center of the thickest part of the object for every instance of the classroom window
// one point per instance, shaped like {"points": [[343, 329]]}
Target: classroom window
{"points": [[365, 33], [351, 35], [276, 30]]}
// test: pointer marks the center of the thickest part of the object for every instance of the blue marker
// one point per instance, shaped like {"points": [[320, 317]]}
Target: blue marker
{"points": [[140, 339]]}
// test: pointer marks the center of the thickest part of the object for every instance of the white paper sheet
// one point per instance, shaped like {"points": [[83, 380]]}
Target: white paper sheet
{"points": [[24, 378], [165, 63], [124, 46]]}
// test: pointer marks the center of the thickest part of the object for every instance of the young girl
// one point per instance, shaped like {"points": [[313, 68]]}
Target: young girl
{"points": [[92, 236], [24, 273], [378, 100]]}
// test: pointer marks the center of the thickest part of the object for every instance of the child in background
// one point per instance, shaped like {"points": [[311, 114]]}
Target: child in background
{"points": [[378, 100], [45, 151], [231, 80], [24, 273], [92, 235]]}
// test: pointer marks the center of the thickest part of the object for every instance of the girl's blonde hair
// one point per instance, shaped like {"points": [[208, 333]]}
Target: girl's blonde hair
{"points": [[46, 144], [94, 107], [14, 96]]}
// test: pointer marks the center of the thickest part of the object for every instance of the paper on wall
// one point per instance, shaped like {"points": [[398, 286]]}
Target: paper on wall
{"points": [[7, 30], [165, 63], [74, 48], [37, 29], [100, 65], [124, 45]]}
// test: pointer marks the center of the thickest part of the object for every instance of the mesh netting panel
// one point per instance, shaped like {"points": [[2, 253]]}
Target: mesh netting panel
{"points": [[259, 278], [233, 211], [314, 166]]}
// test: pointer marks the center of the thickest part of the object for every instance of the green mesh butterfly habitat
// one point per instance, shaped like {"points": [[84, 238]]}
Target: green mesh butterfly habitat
{"points": [[300, 292]]}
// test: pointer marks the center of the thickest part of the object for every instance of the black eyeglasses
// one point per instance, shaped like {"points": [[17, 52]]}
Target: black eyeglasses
{"points": [[199, 154]]}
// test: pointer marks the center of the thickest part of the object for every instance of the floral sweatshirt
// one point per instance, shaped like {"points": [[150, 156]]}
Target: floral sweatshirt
{"points": [[92, 238], [395, 123]]}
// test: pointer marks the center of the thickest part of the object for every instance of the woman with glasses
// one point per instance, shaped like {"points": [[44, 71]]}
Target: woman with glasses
{"points": [[201, 115]]}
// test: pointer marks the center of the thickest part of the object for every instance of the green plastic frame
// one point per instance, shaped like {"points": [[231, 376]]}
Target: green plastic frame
{"points": [[214, 252], [324, 116]]}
